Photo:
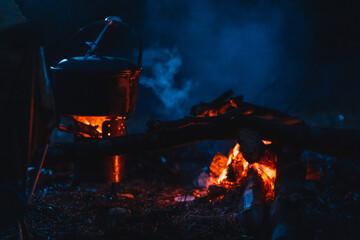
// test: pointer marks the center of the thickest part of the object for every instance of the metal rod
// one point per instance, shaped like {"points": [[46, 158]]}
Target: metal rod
{"points": [[38, 170], [31, 117], [94, 44], [20, 231]]}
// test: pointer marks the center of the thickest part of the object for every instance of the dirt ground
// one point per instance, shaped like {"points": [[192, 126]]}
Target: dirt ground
{"points": [[143, 206]]}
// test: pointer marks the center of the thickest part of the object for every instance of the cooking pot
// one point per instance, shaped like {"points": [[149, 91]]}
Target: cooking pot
{"points": [[96, 85]]}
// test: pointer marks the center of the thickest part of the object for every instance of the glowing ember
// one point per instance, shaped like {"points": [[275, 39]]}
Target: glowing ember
{"points": [[199, 193], [268, 175], [116, 169], [221, 164], [104, 126], [234, 104], [266, 142], [230, 172], [215, 112], [95, 121], [217, 199], [125, 195]]}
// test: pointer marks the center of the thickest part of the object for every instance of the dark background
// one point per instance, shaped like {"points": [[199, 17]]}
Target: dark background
{"points": [[298, 56]]}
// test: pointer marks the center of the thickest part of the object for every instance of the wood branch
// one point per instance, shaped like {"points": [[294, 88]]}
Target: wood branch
{"points": [[215, 107], [251, 145], [137, 143], [221, 105], [80, 129], [252, 204], [287, 212], [222, 98], [267, 113], [337, 142]]}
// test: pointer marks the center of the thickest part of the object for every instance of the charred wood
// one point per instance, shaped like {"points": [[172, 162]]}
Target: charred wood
{"points": [[215, 107], [225, 103], [161, 135], [287, 214], [251, 145], [336, 142], [263, 112], [137, 143], [80, 129], [252, 204]]}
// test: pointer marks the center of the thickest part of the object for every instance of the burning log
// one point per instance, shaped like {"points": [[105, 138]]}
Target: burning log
{"points": [[80, 129], [263, 112], [252, 205], [337, 142], [251, 145], [221, 105], [216, 107], [287, 212]]}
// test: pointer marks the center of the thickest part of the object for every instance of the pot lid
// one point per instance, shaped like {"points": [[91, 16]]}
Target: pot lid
{"points": [[97, 47], [95, 64]]}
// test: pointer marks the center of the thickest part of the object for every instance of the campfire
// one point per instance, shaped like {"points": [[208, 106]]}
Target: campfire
{"points": [[231, 172], [279, 178], [260, 185], [263, 169], [248, 170]]}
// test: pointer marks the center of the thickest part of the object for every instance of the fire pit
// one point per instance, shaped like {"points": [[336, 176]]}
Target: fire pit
{"points": [[99, 93]]}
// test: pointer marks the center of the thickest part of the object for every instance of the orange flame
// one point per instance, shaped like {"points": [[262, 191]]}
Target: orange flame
{"points": [[220, 166], [266, 142], [116, 169], [92, 120], [95, 121], [220, 170], [215, 112], [268, 175]]}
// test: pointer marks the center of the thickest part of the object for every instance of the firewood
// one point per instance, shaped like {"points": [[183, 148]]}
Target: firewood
{"points": [[252, 204], [336, 142], [287, 214], [161, 135], [263, 112], [217, 106], [251, 145], [221, 106], [80, 129]]}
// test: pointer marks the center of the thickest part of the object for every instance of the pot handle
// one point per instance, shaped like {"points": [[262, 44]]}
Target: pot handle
{"points": [[109, 20]]}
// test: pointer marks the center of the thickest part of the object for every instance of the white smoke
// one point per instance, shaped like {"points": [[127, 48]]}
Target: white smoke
{"points": [[160, 67]]}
